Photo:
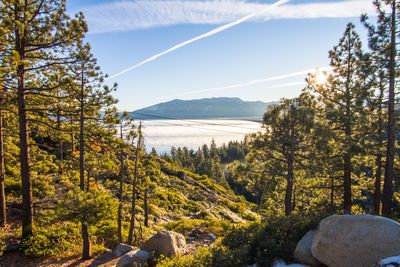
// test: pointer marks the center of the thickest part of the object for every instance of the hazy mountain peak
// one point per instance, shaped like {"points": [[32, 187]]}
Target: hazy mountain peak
{"points": [[205, 108]]}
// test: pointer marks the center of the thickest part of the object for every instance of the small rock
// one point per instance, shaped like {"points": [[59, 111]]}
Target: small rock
{"points": [[135, 258], [120, 249]]}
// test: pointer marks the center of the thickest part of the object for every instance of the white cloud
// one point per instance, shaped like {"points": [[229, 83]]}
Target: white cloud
{"points": [[126, 15]]}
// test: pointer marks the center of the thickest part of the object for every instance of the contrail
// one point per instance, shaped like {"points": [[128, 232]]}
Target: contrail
{"points": [[257, 81], [205, 35]]}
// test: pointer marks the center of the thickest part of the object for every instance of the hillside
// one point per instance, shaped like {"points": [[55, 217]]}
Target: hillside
{"points": [[206, 108]]}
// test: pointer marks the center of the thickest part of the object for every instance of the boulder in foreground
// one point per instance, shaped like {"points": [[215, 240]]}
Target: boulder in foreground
{"points": [[120, 249], [355, 240], [302, 253], [166, 243], [135, 258]]}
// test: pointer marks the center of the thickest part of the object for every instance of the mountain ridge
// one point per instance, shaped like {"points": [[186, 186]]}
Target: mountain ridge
{"points": [[205, 108]]}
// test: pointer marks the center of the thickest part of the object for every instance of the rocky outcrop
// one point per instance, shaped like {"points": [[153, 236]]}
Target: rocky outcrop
{"points": [[120, 249], [135, 258], [303, 253], [165, 243], [355, 240]]}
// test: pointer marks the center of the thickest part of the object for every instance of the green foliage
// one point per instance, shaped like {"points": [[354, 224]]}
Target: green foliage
{"points": [[92, 207], [52, 240], [208, 225], [202, 258]]}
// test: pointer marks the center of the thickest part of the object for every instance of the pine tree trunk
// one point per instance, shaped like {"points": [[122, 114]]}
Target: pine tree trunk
{"points": [[27, 205], [378, 160], [377, 185], [289, 187], [121, 181], [84, 229], [146, 208], [347, 166], [347, 184], [3, 216], [134, 186], [387, 196], [86, 241], [60, 145]]}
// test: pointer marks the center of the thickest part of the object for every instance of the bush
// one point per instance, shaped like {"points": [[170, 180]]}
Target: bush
{"points": [[262, 243], [186, 226], [202, 258], [52, 240]]}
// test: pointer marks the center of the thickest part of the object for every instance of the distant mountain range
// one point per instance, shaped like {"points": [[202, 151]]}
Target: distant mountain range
{"points": [[206, 108]]}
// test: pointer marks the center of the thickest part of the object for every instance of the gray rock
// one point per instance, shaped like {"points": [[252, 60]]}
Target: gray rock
{"points": [[355, 240], [135, 258], [302, 253], [120, 249], [166, 243]]}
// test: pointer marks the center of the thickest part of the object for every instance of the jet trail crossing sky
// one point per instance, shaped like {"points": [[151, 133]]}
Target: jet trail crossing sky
{"points": [[205, 35], [259, 81]]}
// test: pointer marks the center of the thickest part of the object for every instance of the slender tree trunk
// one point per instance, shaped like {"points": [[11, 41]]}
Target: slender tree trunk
{"points": [[378, 159], [347, 184], [121, 181], [134, 186], [387, 196], [377, 185], [294, 202], [146, 208], [60, 144], [289, 187], [3, 216], [347, 166], [84, 225], [72, 139], [27, 206]]}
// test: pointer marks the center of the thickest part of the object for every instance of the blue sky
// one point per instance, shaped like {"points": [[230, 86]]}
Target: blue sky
{"points": [[290, 38]]}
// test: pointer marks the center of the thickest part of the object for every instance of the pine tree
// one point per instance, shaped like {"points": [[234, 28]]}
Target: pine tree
{"points": [[90, 96], [286, 128], [38, 33], [343, 98], [127, 134], [138, 149], [383, 41]]}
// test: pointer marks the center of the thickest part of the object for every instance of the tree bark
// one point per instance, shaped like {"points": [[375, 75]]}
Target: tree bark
{"points": [[3, 216], [27, 205], [84, 226], [347, 184], [146, 208], [377, 185], [387, 197], [121, 181], [289, 186], [134, 186]]}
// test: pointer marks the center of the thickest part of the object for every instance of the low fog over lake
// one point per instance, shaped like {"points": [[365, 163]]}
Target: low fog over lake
{"points": [[163, 134]]}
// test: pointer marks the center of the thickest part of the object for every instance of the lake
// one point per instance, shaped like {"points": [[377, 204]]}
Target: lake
{"points": [[163, 134]]}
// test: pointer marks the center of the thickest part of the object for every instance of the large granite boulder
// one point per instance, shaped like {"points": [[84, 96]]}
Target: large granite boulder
{"points": [[166, 243], [135, 258], [120, 249], [302, 253], [355, 240]]}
